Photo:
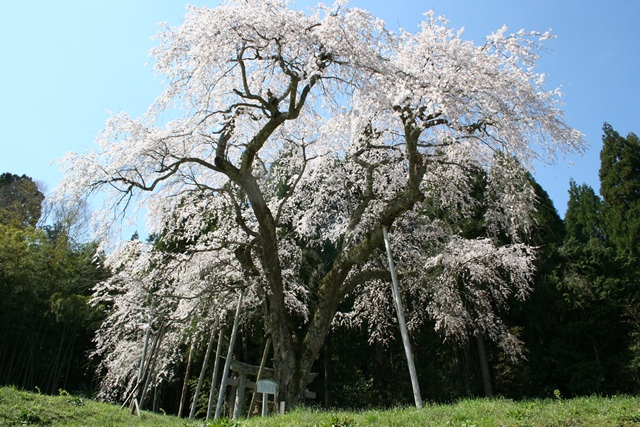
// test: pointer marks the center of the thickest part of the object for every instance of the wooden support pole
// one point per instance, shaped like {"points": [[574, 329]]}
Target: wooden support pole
{"points": [[136, 407], [214, 378], [401, 321], [227, 363], [141, 369], [185, 384], [153, 357], [263, 362], [240, 390], [144, 352], [203, 371]]}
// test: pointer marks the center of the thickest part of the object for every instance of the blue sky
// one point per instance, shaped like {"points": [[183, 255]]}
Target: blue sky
{"points": [[64, 63]]}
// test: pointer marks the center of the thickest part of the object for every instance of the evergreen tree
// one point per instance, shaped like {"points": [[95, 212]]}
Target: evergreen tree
{"points": [[46, 323], [20, 200], [620, 190], [583, 219]]}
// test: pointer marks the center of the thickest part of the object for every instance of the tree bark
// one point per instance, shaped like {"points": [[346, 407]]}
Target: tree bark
{"points": [[293, 359], [484, 366]]}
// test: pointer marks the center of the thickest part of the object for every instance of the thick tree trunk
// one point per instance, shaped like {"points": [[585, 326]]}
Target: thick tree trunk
{"points": [[286, 363], [285, 349], [293, 360], [484, 366]]}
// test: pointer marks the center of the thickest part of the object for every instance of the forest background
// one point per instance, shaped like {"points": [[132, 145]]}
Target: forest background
{"points": [[580, 326], [587, 343]]}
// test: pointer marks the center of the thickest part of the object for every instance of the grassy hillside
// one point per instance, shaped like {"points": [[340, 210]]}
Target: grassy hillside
{"points": [[19, 408]]}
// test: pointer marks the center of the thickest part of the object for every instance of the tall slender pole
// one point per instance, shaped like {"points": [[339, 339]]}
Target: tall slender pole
{"points": [[401, 321], [152, 364], [143, 360], [263, 362], [214, 379], [185, 383], [227, 363], [203, 371]]}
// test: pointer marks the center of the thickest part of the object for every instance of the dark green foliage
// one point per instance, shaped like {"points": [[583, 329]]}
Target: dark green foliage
{"points": [[537, 324], [46, 323], [583, 219], [580, 325], [620, 190], [20, 201], [583, 313]]}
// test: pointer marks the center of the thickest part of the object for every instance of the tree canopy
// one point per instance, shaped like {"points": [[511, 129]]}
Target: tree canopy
{"points": [[20, 200], [296, 131], [620, 190], [46, 323]]}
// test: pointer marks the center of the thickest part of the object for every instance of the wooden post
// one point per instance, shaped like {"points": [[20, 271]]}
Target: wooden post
{"points": [[267, 387], [134, 403], [144, 352], [185, 384], [136, 407], [151, 364], [214, 379], [203, 371], [401, 321], [265, 404], [263, 362], [227, 363], [242, 385]]}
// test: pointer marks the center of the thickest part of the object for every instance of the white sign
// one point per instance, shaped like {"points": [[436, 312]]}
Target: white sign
{"points": [[267, 387]]}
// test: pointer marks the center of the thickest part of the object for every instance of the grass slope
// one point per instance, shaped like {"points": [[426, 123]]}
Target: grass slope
{"points": [[18, 408]]}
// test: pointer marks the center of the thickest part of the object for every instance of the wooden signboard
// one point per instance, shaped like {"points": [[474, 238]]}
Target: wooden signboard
{"points": [[266, 387]]}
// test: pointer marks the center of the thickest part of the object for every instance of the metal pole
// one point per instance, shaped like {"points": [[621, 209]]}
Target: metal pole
{"points": [[401, 321], [227, 363]]}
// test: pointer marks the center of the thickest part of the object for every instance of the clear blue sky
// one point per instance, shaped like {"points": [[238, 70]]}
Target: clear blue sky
{"points": [[64, 63]]}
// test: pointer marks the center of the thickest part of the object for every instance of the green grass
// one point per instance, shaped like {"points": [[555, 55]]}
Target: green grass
{"points": [[18, 408]]}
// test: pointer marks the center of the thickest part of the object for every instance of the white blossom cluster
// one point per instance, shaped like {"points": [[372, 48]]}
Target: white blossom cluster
{"points": [[170, 298], [296, 134]]}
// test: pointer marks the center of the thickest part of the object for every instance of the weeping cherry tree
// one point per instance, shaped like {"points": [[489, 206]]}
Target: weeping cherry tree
{"points": [[314, 130]]}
